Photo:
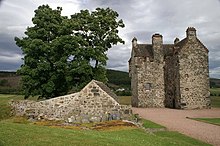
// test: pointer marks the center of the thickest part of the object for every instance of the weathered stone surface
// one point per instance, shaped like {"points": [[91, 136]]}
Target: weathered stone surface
{"points": [[170, 75], [79, 107]]}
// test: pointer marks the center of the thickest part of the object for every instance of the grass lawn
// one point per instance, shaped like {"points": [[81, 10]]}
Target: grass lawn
{"points": [[4, 106], [149, 124], [126, 100], [23, 133], [215, 91], [215, 101], [215, 121], [29, 134]]}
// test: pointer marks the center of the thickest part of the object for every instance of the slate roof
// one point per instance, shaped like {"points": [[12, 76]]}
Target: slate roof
{"points": [[168, 49], [107, 90], [181, 43], [146, 50]]}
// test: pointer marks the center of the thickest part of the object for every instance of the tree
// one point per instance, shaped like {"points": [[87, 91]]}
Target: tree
{"points": [[59, 52], [100, 30]]}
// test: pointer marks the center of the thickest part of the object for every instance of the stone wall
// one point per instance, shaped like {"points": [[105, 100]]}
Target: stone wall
{"points": [[91, 104], [150, 78], [194, 76]]}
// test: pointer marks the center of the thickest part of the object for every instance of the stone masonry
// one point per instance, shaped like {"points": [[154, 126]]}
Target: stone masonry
{"points": [[94, 103], [170, 75]]}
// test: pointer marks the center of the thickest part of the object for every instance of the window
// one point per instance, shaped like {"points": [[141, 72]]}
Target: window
{"points": [[148, 86]]}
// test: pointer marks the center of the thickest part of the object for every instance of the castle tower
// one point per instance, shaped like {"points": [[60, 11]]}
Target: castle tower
{"points": [[193, 72]]}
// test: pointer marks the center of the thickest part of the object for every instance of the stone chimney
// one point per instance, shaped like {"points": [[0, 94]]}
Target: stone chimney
{"points": [[157, 45], [134, 42], [157, 39], [176, 41], [191, 33]]}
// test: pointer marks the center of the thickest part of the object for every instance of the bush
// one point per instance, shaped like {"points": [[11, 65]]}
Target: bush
{"points": [[3, 82], [123, 93]]}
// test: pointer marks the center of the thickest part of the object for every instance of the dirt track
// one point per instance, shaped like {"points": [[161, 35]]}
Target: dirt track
{"points": [[176, 120]]}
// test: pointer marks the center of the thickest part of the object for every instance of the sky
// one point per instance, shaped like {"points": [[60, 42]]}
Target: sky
{"points": [[142, 18]]}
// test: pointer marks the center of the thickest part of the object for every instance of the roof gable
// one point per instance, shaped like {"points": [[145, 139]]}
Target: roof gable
{"points": [[183, 42], [103, 87]]}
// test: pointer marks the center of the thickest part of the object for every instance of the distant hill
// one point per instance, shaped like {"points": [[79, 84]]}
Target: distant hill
{"points": [[117, 80], [9, 82], [214, 83]]}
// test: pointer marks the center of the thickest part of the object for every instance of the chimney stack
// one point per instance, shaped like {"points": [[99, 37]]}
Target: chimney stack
{"points": [[191, 33], [134, 42]]}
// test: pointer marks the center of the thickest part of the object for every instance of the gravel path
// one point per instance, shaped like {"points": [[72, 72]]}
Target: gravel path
{"points": [[175, 120]]}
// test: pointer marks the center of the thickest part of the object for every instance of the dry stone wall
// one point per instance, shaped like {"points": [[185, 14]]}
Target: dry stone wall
{"points": [[91, 104]]}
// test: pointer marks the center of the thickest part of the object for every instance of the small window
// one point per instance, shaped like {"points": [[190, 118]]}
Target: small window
{"points": [[148, 86]]}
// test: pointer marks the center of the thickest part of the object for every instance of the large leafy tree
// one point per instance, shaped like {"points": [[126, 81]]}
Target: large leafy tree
{"points": [[61, 53]]}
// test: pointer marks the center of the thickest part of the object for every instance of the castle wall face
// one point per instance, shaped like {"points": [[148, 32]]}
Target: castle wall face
{"points": [[174, 75], [150, 84], [194, 76], [171, 81]]}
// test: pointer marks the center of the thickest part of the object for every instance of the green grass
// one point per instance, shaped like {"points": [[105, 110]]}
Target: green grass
{"points": [[4, 106], [178, 139], [125, 100], [215, 121], [215, 91], [215, 101], [149, 124], [29, 134], [5, 109], [19, 132]]}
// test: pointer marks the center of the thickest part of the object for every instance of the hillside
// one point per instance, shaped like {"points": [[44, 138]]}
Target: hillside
{"points": [[117, 80], [9, 82]]}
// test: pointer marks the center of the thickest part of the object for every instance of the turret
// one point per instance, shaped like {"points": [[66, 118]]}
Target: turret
{"points": [[191, 33]]}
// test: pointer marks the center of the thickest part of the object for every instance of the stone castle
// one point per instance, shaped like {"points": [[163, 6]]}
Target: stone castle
{"points": [[170, 75]]}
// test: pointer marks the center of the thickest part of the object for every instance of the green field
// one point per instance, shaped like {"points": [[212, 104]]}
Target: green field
{"points": [[215, 121], [215, 91], [26, 133], [149, 124], [215, 100], [4, 106], [34, 135]]}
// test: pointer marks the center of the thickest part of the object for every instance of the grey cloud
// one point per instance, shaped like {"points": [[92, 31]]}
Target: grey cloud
{"points": [[7, 45], [142, 19]]}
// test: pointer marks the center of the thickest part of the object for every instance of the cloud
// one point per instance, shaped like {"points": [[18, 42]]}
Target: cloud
{"points": [[215, 72], [142, 19]]}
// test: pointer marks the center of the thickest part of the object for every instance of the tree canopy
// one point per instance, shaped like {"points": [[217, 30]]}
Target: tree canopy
{"points": [[62, 53]]}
